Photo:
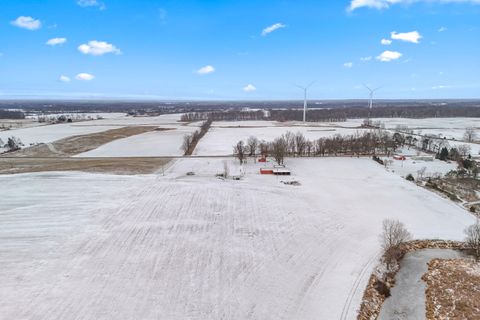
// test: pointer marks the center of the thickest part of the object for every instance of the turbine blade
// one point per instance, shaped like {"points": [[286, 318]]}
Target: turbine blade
{"points": [[367, 87]]}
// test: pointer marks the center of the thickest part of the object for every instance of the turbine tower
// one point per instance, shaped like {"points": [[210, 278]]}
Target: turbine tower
{"points": [[305, 90], [372, 91]]}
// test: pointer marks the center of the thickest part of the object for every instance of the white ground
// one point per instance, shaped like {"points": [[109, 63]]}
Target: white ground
{"points": [[220, 140], [88, 246], [433, 168], [150, 144], [421, 124], [50, 133]]}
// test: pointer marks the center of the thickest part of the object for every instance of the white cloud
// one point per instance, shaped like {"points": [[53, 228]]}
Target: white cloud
{"points": [[98, 48], [384, 4], [91, 3], [413, 36], [442, 29], [28, 23], [348, 65], [206, 70], [388, 56], [272, 28], [56, 41], [84, 77], [386, 42], [64, 78], [365, 59], [249, 88]]}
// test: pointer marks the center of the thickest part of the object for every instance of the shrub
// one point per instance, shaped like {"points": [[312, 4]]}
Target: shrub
{"points": [[410, 177]]}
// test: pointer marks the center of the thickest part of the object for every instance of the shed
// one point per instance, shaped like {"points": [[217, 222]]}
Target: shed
{"points": [[266, 171]]}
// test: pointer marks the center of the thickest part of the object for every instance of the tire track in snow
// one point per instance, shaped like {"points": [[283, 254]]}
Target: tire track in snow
{"points": [[354, 289]]}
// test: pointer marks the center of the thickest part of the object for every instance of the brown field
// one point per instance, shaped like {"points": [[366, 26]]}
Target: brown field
{"points": [[453, 289], [125, 166]]}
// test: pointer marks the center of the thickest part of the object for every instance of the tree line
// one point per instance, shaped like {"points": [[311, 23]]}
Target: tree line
{"points": [[8, 114], [337, 114], [231, 115], [190, 141], [365, 143]]}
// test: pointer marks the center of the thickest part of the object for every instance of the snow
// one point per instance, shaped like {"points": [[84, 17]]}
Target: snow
{"points": [[220, 141], [421, 124], [150, 144], [259, 123], [50, 133], [435, 167], [96, 246]]}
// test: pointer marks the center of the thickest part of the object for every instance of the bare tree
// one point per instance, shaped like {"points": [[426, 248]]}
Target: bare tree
{"points": [[239, 150], [394, 233], [252, 143], [263, 146], [464, 149], [290, 141], [470, 134], [421, 172], [279, 149], [187, 143], [300, 143], [473, 238]]}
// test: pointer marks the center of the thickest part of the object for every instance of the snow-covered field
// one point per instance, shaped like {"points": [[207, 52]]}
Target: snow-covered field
{"points": [[220, 140], [50, 133], [150, 144], [416, 124], [411, 166], [94, 246]]}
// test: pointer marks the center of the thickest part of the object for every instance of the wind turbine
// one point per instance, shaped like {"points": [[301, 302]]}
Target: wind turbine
{"points": [[305, 90], [372, 91]]}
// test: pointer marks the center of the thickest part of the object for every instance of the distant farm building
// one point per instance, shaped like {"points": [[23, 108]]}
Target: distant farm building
{"points": [[275, 171], [423, 158]]}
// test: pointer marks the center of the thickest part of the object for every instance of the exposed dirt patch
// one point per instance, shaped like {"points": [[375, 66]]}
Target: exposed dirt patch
{"points": [[77, 144], [126, 166], [453, 289]]}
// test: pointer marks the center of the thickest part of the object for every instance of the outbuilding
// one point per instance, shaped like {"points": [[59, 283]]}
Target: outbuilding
{"points": [[266, 171]]}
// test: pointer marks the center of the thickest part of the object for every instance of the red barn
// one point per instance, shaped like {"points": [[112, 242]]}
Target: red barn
{"points": [[266, 171]]}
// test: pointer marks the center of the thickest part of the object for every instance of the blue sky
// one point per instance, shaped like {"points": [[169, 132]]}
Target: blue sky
{"points": [[239, 49]]}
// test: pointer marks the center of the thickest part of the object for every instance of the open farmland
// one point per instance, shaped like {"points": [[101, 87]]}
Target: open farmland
{"points": [[197, 247], [220, 139], [151, 144], [54, 132]]}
